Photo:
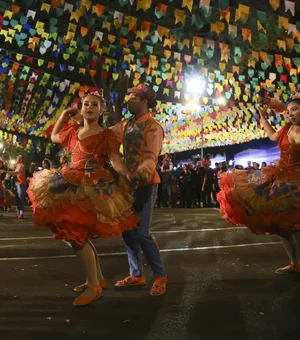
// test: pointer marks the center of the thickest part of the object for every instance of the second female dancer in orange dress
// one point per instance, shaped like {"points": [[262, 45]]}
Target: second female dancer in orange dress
{"points": [[268, 201], [84, 201]]}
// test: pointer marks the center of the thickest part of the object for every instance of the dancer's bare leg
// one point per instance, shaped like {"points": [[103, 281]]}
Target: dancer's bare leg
{"points": [[101, 279], [99, 271], [292, 247], [89, 264]]}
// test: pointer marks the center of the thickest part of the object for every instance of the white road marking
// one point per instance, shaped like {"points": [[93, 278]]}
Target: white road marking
{"points": [[194, 230], [153, 232], [124, 253], [26, 238]]}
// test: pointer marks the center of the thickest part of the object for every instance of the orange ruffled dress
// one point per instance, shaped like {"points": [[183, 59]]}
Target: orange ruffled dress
{"points": [[84, 200], [266, 201]]}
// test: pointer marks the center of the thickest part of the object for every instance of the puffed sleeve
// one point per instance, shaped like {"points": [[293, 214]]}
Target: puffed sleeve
{"points": [[66, 134], [113, 145], [118, 130]]}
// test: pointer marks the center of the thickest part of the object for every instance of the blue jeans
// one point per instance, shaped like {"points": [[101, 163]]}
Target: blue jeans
{"points": [[20, 196], [141, 238]]}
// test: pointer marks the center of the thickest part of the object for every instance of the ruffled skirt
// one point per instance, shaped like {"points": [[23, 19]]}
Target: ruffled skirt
{"points": [[74, 208], [266, 202]]}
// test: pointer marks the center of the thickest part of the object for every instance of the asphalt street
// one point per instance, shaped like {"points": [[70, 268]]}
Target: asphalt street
{"points": [[221, 285]]}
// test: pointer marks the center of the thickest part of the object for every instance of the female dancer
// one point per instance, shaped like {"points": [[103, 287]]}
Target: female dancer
{"points": [[268, 201], [84, 201]]}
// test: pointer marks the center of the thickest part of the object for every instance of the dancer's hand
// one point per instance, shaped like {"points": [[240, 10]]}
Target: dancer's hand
{"points": [[71, 113], [264, 101], [262, 111], [142, 175]]}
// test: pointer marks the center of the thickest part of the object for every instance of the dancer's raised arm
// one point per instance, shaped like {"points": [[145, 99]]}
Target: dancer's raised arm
{"points": [[272, 134], [62, 120]]}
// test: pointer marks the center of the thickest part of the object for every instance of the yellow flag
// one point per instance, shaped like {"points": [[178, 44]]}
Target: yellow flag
{"points": [[72, 27], [111, 38], [163, 31], [244, 12], [283, 22], [186, 43], [275, 4], [251, 63], [136, 45], [260, 27], [263, 56], [143, 4], [188, 4], [224, 57], [281, 44], [179, 16], [197, 41], [167, 42], [290, 43], [196, 50], [8, 14], [255, 55], [45, 7]]}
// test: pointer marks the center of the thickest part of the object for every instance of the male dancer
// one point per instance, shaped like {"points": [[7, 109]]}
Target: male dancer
{"points": [[142, 139]]}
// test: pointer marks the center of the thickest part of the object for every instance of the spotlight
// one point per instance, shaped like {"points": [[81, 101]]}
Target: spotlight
{"points": [[195, 85], [221, 100]]}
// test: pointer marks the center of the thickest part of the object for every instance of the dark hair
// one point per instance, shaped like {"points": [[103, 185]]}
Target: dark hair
{"points": [[224, 166], [296, 100], [47, 161]]}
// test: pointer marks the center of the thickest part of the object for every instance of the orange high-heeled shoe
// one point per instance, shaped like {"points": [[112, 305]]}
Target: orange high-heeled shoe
{"points": [[83, 300], [82, 288]]}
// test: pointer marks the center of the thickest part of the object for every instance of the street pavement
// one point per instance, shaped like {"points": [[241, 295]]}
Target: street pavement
{"points": [[221, 285]]}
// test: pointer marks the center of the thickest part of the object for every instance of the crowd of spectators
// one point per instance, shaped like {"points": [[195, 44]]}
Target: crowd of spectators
{"points": [[192, 183]]}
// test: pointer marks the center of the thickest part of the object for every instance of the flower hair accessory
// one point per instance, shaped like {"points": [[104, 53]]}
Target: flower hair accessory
{"points": [[94, 93]]}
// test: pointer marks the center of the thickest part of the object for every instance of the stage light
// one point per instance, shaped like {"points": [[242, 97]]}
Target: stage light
{"points": [[13, 161], [1, 146], [221, 100], [195, 85]]}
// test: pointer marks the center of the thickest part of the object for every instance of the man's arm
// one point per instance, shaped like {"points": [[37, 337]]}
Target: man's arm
{"points": [[153, 145]]}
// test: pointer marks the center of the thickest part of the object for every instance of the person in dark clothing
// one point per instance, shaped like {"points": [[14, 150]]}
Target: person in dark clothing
{"points": [[184, 183], [166, 182], [191, 199], [159, 189], [207, 187], [200, 173]]}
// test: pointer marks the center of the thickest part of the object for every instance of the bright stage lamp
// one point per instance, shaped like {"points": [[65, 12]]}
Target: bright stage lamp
{"points": [[195, 85], [1, 146], [221, 100], [13, 161]]}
